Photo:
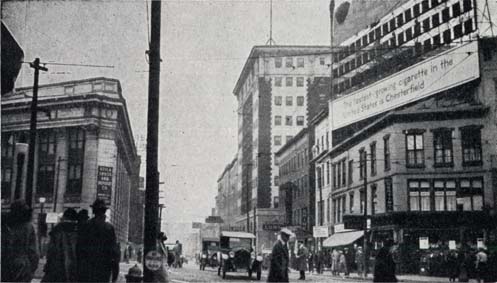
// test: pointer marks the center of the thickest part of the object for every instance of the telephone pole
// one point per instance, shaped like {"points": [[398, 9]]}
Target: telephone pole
{"points": [[32, 132], [151, 232]]}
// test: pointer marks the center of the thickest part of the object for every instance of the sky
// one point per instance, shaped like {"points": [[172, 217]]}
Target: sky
{"points": [[204, 45]]}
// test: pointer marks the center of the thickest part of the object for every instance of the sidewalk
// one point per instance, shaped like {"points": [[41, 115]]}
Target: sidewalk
{"points": [[401, 278]]}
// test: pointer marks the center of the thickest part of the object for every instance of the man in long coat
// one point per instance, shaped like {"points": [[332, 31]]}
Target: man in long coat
{"points": [[302, 255], [97, 250], [278, 270]]}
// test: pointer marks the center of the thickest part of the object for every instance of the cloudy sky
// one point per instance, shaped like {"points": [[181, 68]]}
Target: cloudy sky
{"points": [[204, 46]]}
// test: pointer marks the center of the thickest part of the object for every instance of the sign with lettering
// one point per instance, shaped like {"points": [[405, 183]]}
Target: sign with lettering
{"points": [[153, 260], [320, 231], [446, 70], [424, 243], [104, 183], [388, 195]]}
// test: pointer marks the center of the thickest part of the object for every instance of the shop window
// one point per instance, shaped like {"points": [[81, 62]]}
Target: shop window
{"points": [[470, 194], [278, 62], [76, 148], [288, 120], [445, 195], [300, 120], [300, 63], [278, 100], [288, 81], [289, 101], [277, 120], [300, 81], [415, 149], [277, 140], [419, 195], [289, 62], [372, 149], [277, 81], [471, 146], [442, 145]]}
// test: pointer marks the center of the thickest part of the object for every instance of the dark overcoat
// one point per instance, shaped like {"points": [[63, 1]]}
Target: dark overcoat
{"points": [[61, 263], [278, 270], [302, 255], [98, 253], [384, 268]]}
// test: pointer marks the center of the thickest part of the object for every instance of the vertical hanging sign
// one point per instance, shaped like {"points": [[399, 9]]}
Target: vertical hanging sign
{"points": [[104, 183], [388, 195]]}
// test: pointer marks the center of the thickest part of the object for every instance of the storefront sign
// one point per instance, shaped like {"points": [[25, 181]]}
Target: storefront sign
{"points": [[446, 70], [104, 183], [424, 243], [452, 245], [320, 231], [52, 217], [388, 195]]}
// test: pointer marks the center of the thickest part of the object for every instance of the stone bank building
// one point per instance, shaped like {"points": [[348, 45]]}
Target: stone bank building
{"points": [[84, 149]]}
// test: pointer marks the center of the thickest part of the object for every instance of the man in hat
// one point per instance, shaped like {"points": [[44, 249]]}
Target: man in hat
{"points": [[278, 270], [97, 250]]}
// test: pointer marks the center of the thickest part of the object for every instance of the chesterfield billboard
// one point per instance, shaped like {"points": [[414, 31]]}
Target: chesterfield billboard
{"points": [[446, 70]]}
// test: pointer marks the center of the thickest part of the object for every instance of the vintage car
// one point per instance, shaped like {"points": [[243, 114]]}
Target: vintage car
{"points": [[237, 254], [209, 255]]}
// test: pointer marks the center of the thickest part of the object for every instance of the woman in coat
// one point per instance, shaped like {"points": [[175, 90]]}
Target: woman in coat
{"points": [[61, 263]]}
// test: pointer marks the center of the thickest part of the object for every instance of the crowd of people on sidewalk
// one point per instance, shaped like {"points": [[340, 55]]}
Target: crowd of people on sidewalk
{"points": [[80, 249]]}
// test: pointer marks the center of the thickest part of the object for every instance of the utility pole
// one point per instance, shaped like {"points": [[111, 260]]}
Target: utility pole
{"points": [[365, 240], [32, 132], [332, 10], [152, 187]]}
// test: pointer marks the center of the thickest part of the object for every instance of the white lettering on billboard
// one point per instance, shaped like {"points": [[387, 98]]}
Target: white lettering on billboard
{"points": [[448, 69]]}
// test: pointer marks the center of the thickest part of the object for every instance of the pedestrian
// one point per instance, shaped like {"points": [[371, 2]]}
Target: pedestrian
{"points": [[97, 250], [349, 260], [130, 251], [19, 249], [311, 262], [359, 260], [302, 255], [342, 263], [139, 255], [278, 269], [452, 266], [177, 254], [61, 263], [481, 265], [335, 257], [463, 265], [384, 267]]}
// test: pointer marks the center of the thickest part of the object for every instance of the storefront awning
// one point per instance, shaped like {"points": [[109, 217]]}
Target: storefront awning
{"points": [[342, 239], [233, 234]]}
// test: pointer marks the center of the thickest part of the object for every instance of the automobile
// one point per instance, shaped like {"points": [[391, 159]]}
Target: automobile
{"points": [[209, 256], [236, 253], [171, 257]]}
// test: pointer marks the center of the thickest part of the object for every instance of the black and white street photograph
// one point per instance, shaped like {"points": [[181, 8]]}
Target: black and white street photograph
{"points": [[248, 141]]}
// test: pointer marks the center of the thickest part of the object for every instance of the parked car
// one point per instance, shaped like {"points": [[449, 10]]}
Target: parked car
{"points": [[237, 254]]}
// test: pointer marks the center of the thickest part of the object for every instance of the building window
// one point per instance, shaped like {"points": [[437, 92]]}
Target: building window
{"points": [[419, 195], [470, 194], [277, 62], [471, 146], [361, 200], [75, 160], [415, 149], [288, 120], [289, 101], [276, 202], [277, 120], [300, 62], [277, 100], [339, 174], [445, 195], [351, 202], [288, 138], [276, 180], [351, 171], [300, 81], [372, 149], [321, 61], [46, 163], [289, 62], [446, 15], [277, 140], [300, 101], [300, 120], [334, 169], [8, 148], [288, 81], [344, 174], [277, 81], [362, 163], [328, 210], [374, 200], [442, 144], [408, 15], [386, 152], [456, 9], [435, 20]]}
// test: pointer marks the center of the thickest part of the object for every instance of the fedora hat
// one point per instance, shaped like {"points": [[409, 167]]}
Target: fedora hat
{"points": [[99, 204]]}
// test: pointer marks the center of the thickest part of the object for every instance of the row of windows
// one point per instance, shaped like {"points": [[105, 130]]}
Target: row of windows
{"points": [[278, 62], [278, 81], [278, 100], [299, 216], [298, 161], [300, 187], [289, 120], [277, 139], [465, 194]]}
